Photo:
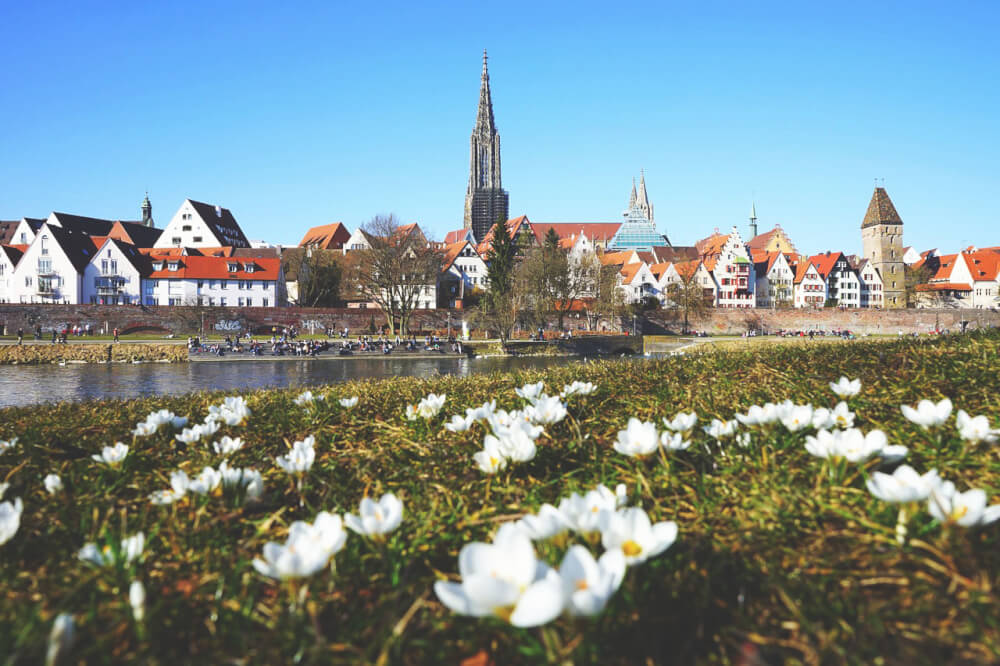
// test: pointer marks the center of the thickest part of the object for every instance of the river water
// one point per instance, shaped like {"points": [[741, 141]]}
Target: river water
{"points": [[35, 384]]}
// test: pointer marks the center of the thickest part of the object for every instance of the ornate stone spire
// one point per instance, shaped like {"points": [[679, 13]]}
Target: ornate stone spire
{"points": [[632, 198], [485, 199], [643, 200], [484, 116]]}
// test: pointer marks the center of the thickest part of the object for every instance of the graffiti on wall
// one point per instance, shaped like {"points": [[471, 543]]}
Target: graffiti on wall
{"points": [[228, 325]]}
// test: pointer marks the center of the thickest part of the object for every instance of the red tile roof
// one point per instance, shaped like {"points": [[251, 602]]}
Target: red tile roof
{"points": [[595, 231], [983, 265], [455, 236], [824, 262], [217, 268], [451, 252], [944, 286], [326, 237]]}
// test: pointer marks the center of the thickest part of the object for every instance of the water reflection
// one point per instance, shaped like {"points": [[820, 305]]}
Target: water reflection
{"points": [[31, 385]]}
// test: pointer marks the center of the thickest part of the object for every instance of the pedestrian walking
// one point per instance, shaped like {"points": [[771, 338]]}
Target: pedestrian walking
{"points": [[116, 333], [20, 335]]}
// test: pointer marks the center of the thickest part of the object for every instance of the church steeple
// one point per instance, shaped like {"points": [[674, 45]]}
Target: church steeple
{"points": [[485, 199], [753, 219], [484, 116], [147, 212], [632, 198], [643, 199]]}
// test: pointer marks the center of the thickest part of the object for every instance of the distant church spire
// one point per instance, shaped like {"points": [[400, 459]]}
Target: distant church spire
{"points": [[485, 199], [147, 212], [753, 219], [643, 200], [632, 198]]}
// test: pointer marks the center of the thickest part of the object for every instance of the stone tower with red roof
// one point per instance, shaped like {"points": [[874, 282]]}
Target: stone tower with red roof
{"points": [[882, 239]]}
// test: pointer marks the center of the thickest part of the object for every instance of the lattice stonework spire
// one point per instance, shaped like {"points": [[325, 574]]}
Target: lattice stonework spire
{"points": [[485, 199]]}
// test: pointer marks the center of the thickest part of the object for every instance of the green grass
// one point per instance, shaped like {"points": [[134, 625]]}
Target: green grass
{"points": [[774, 562]]}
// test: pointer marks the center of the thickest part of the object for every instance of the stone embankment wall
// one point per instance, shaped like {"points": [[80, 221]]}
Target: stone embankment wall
{"points": [[861, 321], [90, 353], [182, 320]]}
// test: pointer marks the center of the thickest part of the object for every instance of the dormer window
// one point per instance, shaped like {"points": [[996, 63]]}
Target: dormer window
{"points": [[233, 267], [172, 266], [157, 265], [249, 268]]}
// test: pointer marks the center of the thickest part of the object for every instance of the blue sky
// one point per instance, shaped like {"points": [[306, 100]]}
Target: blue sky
{"points": [[304, 114]]}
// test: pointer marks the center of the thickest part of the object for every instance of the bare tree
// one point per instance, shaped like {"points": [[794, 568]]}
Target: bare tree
{"points": [[397, 272], [609, 300], [687, 297]]}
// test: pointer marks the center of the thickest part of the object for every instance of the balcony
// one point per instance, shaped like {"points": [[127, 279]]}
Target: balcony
{"points": [[110, 285]]}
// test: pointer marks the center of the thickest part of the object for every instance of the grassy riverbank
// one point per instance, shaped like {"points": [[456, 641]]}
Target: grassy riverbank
{"points": [[38, 354], [774, 561]]}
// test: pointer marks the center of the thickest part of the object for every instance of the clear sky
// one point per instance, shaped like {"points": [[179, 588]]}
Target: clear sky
{"points": [[297, 114]]}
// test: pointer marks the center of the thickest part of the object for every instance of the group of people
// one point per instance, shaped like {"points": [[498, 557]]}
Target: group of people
{"points": [[61, 334]]}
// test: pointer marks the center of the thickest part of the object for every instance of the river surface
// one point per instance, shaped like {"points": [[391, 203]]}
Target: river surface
{"points": [[35, 384]]}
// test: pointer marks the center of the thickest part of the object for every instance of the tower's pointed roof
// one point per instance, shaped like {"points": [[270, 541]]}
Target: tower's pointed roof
{"points": [[484, 116], [753, 211], [880, 210], [643, 197], [632, 197]]}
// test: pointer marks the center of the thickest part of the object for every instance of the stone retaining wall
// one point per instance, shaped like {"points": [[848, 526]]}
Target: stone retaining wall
{"points": [[90, 353], [183, 320]]}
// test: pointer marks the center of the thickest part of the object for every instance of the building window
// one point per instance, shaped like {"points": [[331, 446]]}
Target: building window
{"points": [[265, 303], [197, 239], [186, 227], [233, 267], [222, 284], [222, 301], [176, 240]]}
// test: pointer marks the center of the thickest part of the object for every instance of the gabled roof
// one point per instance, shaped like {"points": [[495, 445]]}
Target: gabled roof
{"points": [[658, 270], [983, 265], [944, 268], [824, 262], [674, 253], [764, 261], [135, 233], [945, 286], [687, 269], [78, 247], [132, 254], [712, 244], [880, 210], [801, 269], [629, 271], [13, 253], [615, 258], [451, 253], [217, 268], [595, 231], [513, 227], [458, 235], [221, 223], [7, 228], [258, 252], [326, 237], [93, 226]]}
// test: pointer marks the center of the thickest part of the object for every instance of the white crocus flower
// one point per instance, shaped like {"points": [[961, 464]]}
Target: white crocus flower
{"points": [[206, 482], [7, 445], [3, 489], [846, 388], [144, 429], [589, 584], [903, 485], [513, 443], [429, 407], [721, 429], [137, 600], [504, 579], [759, 415], [227, 445], [631, 531], [300, 458], [376, 519], [53, 483], [578, 388], [307, 549], [851, 445], [349, 403], [682, 423], [411, 413], [530, 392], [61, 639], [640, 438], [131, 550], [179, 484], [798, 417], [546, 410], [482, 413], [490, 460], [112, 456], [928, 414], [307, 398], [674, 441], [583, 512], [823, 419], [10, 519], [967, 509], [233, 411], [743, 440], [458, 424], [545, 524], [842, 416], [974, 429]]}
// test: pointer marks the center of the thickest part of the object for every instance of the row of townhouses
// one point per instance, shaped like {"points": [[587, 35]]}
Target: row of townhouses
{"points": [[202, 257]]}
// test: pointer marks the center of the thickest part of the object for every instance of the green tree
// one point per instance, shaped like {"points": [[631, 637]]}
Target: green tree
{"points": [[499, 306], [913, 277], [320, 275]]}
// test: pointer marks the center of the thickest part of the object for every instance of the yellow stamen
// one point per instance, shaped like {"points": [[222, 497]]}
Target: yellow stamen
{"points": [[631, 548]]}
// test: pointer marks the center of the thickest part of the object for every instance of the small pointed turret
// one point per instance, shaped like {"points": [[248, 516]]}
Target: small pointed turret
{"points": [[147, 212], [632, 198], [753, 219]]}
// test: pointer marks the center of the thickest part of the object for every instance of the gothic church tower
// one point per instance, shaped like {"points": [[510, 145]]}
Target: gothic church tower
{"points": [[882, 240], [485, 199]]}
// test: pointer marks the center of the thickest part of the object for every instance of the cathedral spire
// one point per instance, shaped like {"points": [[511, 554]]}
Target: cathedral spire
{"points": [[484, 116], [632, 198], [643, 199]]}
